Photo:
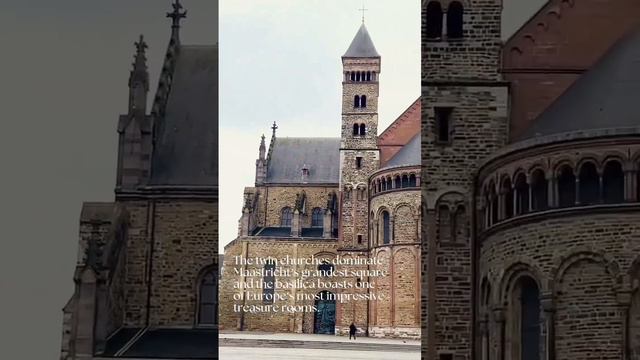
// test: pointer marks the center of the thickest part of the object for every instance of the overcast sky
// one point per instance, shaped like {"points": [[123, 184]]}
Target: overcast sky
{"points": [[63, 82]]}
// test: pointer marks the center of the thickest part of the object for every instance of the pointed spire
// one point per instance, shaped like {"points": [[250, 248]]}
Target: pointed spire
{"points": [[362, 45], [176, 16], [263, 148], [139, 79]]}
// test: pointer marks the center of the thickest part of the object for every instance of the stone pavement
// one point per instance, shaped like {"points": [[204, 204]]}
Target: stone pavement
{"points": [[258, 346]]}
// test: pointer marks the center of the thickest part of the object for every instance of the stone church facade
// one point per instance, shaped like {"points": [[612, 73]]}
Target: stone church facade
{"points": [[147, 266], [531, 197], [356, 196]]}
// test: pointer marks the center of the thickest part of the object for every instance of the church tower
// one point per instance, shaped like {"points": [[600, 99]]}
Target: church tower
{"points": [[359, 158], [464, 120], [359, 153]]}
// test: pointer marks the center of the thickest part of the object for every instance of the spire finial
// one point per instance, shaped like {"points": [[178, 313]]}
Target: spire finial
{"points": [[363, 10], [140, 59], [176, 15], [274, 128]]}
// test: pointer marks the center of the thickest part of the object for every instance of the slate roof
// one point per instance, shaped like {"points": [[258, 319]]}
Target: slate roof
{"points": [[407, 156], [289, 155], [362, 45], [605, 97], [186, 148]]}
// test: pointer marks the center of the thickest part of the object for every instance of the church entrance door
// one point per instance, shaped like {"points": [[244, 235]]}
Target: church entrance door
{"points": [[325, 317]]}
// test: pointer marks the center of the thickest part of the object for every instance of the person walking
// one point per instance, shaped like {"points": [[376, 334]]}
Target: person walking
{"points": [[352, 331]]}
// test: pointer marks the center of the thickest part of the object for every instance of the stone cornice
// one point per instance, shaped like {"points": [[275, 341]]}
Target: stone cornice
{"points": [[557, 213]]}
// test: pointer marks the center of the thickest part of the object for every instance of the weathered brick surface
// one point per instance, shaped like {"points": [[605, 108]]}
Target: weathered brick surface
{"points": [[184, 237], [272, 199], [581, 259]]}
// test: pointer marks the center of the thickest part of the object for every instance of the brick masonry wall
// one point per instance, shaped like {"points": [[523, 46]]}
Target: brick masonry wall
{"points": [[479, 128], [277, 249], [185, 237], [583, 259], [274, 198]]}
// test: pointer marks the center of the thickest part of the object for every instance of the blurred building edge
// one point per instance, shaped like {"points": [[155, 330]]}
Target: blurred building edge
{"points": [[536, 142], [147, 267]]}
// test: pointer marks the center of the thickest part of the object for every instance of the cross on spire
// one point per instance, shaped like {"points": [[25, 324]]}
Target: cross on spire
{"points": [[363, 10], [177, 14], [274, 128], [141, 45]]}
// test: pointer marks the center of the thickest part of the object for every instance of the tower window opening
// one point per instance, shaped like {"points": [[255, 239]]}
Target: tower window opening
{"points": [[368, 75], [356, 101], [359, 162], [359, 239], [434, 20], [358, 76], [353, 76], [455, 20], [443, 124], [363, 101], [356, 129], [363, 129]]}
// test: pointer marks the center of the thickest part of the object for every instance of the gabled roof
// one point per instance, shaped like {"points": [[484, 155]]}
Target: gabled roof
{"points": [[362, 45], [605, 97], [186, 148], [320, 155]]}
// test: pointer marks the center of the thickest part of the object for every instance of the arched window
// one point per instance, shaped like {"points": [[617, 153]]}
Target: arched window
{"points": [[522, 195], [384, 184], [317, 218], [412, 180], [434, 20], [368, 75], [378, 187], [495, 213], [507, 194], [455, 21], [285, 217], [386, 228], [397, 182], [529, 319], [346, 76], [269, 279], [358, 76], [363, 101], [405, 181], [566, 187], [444, 224], [325, 268], [589, 184], [353, 76], [356, 101], [363, 129], [208, 298], [459, 225], [538, 190], [613, 183], [355, 129]]}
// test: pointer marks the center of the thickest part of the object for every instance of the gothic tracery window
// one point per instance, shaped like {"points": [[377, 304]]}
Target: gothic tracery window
{"points": [[208, 298], [285, 217], [317, 218]]}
